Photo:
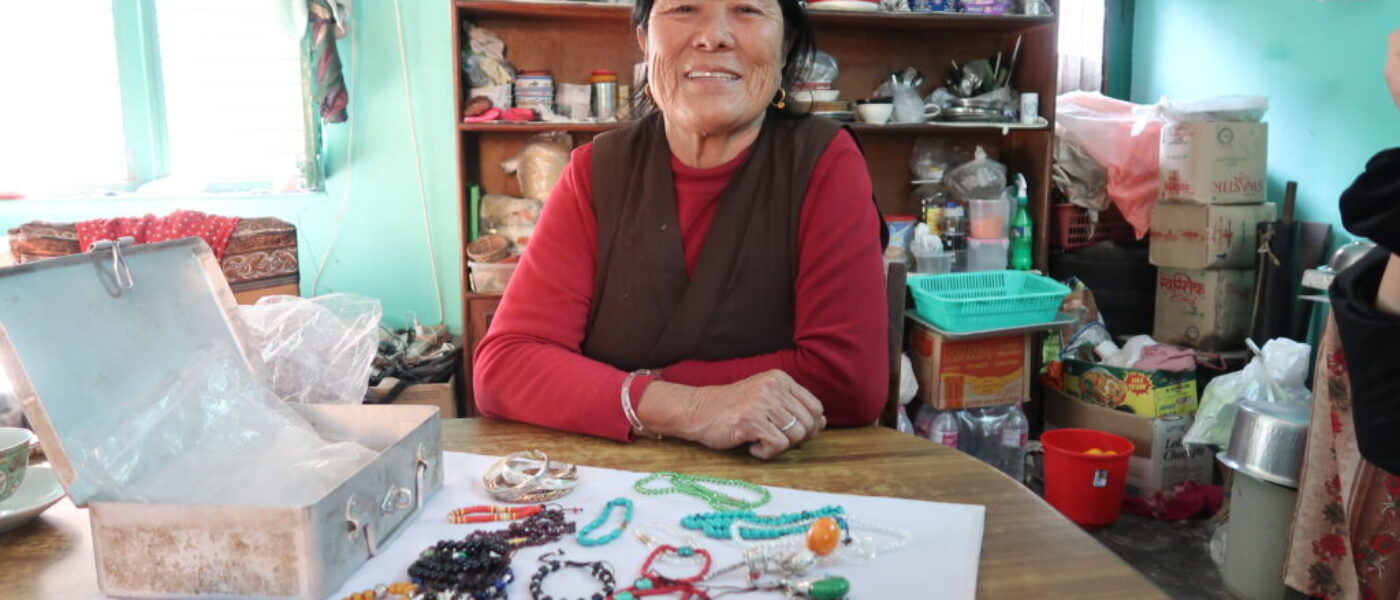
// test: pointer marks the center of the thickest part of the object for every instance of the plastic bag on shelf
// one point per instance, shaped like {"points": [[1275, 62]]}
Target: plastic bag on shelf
{"points": [[1081, 179], [514, 218], [1276, 374], [317, 350], [933, 157], [484, 60], [981, 178], [1125, 139], [220, 438], [1219, 108], [540, 163]]}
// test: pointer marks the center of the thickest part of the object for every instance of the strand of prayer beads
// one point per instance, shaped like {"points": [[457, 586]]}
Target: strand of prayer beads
{"points": [[479, 568], [538, 529], [719, 525], [692, 485], [399, 590]]}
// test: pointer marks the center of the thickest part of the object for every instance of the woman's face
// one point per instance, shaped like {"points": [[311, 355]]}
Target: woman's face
{"points": [[713, 65]]}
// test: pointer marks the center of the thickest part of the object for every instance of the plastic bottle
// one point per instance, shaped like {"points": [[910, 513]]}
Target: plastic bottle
{"points": [[955, 234], [931, 198], [1012, 446], [1022, 230], [945, 430]]}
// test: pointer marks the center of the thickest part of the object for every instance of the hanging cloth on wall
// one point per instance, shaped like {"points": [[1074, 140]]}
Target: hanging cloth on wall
{"points": [[329, 20]]}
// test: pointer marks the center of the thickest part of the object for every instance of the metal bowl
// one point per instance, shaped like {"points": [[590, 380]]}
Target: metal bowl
{"points": [[1267, 441], [1347, 255]]}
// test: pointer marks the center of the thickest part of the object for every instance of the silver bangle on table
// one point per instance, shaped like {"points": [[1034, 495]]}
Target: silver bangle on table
{"points": [[529, 477]]}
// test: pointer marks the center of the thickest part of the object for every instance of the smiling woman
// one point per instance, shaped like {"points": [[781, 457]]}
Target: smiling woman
{"points": [[711, 272], [707, 92]]}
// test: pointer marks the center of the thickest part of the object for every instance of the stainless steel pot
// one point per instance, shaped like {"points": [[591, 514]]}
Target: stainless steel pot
{"points": [[1267, 441]]}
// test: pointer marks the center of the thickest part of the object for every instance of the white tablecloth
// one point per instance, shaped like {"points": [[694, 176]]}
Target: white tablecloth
{"points": [[940, 561]]}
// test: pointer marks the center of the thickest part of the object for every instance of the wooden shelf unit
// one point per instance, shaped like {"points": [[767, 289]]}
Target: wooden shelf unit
{"points": [[571, 39], [622, 13]]}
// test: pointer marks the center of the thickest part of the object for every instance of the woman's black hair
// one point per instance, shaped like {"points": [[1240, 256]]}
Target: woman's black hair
{"points": [[797, 34]]}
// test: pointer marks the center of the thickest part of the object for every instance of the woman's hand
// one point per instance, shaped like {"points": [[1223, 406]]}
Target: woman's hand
{"points": [[769, 411]]}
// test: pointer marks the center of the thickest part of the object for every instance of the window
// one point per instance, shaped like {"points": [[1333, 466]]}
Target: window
{"points": [[1081, 45], [178, 96], [60, 101]]}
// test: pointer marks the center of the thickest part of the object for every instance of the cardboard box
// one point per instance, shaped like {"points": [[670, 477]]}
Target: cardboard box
{"points": [[970, 373], [1214, 162], [1143, 393], [441, 395], [1160, 460], [1205, 310], [1205, 236]]}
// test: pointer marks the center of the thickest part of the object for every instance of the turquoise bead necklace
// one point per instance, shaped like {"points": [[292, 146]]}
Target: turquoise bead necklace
{"points": [[718, 525], [583, 534], [690, 485]]}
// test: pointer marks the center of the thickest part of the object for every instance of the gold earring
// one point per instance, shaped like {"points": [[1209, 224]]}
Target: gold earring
{"points": [[782, 99]]}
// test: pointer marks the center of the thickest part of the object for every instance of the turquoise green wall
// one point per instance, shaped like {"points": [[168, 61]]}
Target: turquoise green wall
{"points": [[1118, 46], [381, 250], [1320, 63]]}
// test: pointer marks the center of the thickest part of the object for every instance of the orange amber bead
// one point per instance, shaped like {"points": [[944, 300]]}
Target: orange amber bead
{"points": [[823, 536]]}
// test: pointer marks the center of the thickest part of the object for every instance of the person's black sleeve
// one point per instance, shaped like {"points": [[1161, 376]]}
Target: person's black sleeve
{"points": [[1371, 206], [1370, 338], [1371, 343]]}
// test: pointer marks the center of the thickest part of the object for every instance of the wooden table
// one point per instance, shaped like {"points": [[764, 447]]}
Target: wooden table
{"points": [[1029, 550]]}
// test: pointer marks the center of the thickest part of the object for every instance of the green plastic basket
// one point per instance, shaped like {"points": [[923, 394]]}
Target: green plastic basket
{"points": [[963, 302]]}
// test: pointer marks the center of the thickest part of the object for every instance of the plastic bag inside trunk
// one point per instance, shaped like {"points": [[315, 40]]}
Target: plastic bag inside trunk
{"points": [[218, 438], [317, 350]]}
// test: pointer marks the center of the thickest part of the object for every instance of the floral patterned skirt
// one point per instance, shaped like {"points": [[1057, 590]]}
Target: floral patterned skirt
{"points": [[1344, 539]]}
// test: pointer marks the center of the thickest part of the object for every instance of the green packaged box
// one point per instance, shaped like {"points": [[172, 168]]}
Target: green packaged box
{"points": [[1145, 393]]}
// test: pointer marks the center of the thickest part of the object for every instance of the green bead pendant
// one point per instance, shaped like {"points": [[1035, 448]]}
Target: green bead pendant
{"points": [[831, 588]]}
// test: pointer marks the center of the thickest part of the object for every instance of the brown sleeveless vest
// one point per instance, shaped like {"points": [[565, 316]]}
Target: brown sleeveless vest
{"points": [[741, 299]]}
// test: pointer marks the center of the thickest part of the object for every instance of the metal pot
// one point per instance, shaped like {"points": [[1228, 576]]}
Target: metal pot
{"points": [[1347, 255], [1267, 441]]}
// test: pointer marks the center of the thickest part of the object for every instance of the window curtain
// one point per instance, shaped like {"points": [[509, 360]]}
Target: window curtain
{"points": [[329, 21], [1081, 46]]}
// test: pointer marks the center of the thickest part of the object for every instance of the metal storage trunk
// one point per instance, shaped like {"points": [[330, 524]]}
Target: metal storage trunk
{"points": [[89, 328]]}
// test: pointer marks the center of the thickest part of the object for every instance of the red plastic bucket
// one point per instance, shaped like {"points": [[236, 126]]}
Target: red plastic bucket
{"points": [[1087, 488]]}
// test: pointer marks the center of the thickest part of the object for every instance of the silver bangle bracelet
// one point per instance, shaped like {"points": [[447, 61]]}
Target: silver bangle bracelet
{"points": [[627, 404]]}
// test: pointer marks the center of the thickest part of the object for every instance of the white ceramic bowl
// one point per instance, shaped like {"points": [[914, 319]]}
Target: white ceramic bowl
{"points": [[816, 95], [875, 113]]}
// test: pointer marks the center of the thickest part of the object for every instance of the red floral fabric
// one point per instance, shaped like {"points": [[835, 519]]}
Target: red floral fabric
{"points": [[215, 230], [1346, 531]]}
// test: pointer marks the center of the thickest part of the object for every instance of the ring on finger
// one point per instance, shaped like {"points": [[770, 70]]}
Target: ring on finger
{"points": [[790, 424]]}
